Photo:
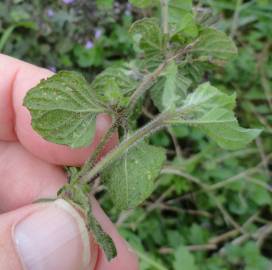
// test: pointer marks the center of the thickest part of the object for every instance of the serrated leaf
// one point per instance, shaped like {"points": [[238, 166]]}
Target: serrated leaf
{"points": [[214, 46], [147, 35], [207, 97], [114, 85], [143, 3], [130, 180], [63, 109], [211, 110], [195, 71]]}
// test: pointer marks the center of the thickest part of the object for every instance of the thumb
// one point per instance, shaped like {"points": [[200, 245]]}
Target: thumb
{"points": [[49, 236]]}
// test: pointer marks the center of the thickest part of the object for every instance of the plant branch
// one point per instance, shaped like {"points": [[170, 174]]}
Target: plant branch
{"points": [[158, 123], [93, 158], [147, 82]]}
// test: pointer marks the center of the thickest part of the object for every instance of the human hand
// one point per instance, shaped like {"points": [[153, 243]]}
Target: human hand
{"points": [[42, 236]]}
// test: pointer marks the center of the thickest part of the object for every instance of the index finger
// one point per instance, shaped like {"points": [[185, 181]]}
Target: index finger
{"points": [[16, 78]]}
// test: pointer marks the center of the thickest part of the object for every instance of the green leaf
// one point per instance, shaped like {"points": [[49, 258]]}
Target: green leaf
{"points": [[130, 180], [181, 5], [211, 110], [181, 20], [169, 96], [184, 260], [114, 85], [170, 89], [143, 3], [79, 195], [63, 109], [103, 239], [214, 46], [147, 35]]}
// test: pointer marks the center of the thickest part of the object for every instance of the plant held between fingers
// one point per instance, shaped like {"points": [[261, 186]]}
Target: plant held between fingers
{"points": [[172, 55]]}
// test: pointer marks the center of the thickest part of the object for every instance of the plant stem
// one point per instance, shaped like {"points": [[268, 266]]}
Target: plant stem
{"points": [[92, 159], [158, 123], [235, 21], [164, 12], [147, 82], [86, 173]]}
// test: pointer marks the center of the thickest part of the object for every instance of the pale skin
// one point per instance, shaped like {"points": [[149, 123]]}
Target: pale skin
{"points": [[31, 168]]}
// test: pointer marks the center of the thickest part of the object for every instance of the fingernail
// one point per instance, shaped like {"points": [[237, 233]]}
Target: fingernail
{"points": [[54, 238]]}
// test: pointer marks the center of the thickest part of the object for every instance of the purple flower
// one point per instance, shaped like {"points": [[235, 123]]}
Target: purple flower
{"points": [[52, 68], [50, 12], [67, 2], [98, 33], [89, 44], [129, 6]]}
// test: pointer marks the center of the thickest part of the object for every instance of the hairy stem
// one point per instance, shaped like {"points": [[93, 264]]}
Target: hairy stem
{"points": [[89, 170], [158, 123], [147, 82], [89, 164]]}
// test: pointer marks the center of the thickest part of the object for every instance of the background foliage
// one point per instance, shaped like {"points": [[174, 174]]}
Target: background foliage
{"points": [[212, 209]]}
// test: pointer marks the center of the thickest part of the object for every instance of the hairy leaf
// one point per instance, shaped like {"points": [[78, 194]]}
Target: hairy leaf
{"points": [[130, 180], [211, 110], [170, 89], [64, 109], [102, 238], [195, 71], [169, 96], [114, 85], [147, 35], [214, 46], [79, 195]]}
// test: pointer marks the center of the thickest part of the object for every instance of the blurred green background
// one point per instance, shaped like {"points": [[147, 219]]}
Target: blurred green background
{"points": [[215, 211]]}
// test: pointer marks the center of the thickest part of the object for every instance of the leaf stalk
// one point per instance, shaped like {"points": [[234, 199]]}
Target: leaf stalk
{"points": [[158, 123], [88, 165]]}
